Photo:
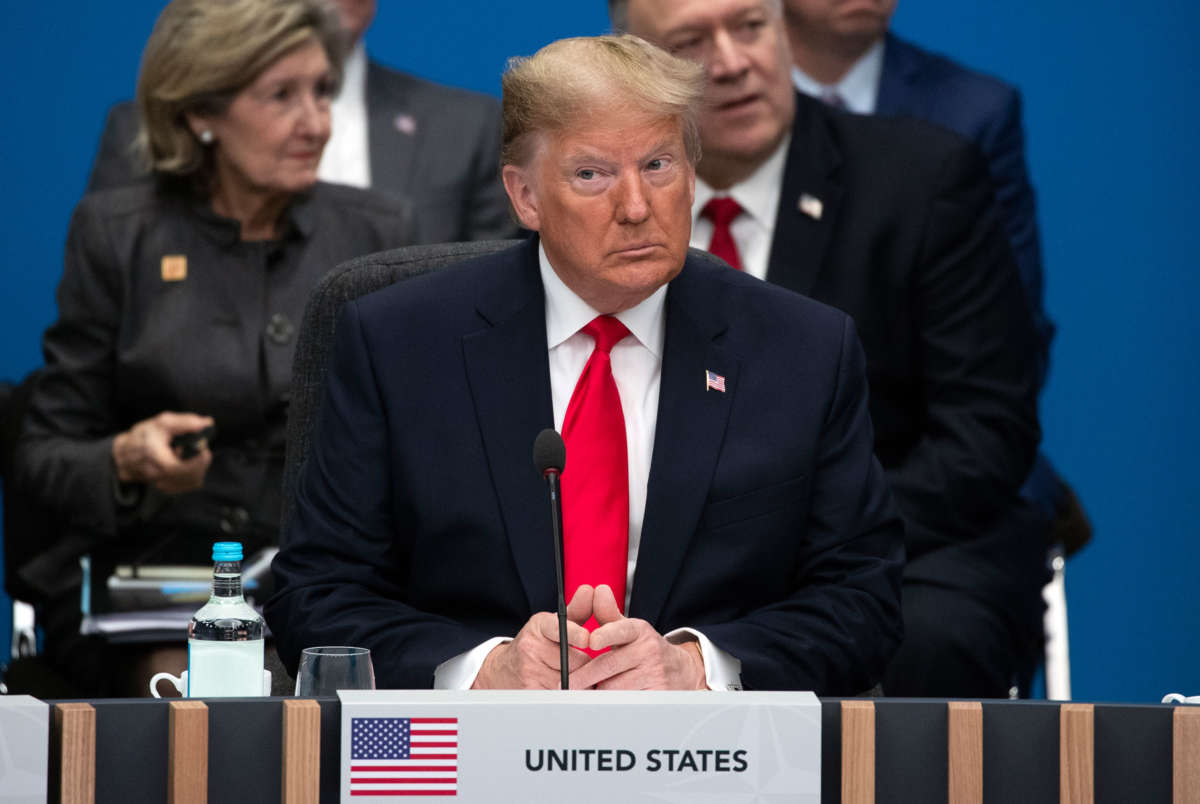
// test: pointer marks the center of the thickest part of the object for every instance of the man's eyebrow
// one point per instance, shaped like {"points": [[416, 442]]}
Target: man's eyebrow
{"points": [[702, 28], [585, 155], [690, 29], [667, 144]]}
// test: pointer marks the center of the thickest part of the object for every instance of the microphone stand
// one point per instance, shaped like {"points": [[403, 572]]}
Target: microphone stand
{"points": [[556, 528]]}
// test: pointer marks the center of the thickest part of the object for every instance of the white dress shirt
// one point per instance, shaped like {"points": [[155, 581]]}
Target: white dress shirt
{"points": [[637, 369], [347, 157], [859, 87], [754, 229]]}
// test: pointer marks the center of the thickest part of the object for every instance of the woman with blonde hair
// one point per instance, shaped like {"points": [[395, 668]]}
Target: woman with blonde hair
{"points": [[178, 310]]}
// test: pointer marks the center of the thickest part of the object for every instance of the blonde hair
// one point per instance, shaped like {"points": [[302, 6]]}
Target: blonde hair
{"points": [[567, 80], [202, 53]]}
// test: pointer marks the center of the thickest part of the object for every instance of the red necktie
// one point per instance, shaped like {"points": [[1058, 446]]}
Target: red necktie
{"points": [[722, 211], [595, 480]]}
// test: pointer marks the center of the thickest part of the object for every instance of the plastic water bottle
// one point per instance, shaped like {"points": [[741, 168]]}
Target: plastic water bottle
{"points": [[225, 637]]}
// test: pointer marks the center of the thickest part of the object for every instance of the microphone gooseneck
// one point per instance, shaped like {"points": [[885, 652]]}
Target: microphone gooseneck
{"points": [[549, 457]]}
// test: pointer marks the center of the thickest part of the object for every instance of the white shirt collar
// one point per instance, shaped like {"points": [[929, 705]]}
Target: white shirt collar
{"points": [[566, 313], [859, 87], [347, 158], [354, 73], [758, 194]]}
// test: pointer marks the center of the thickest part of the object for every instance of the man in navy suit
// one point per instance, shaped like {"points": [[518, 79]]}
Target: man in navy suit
{"points": [[842, 52], [893, 222], [757, 542]]}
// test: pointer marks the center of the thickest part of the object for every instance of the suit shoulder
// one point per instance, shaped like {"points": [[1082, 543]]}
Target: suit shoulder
{"points": [[763, 303], [911, 133], [940, 75], [432, 281], [140, 198], [122, 114], [913, 152], [422, 91]]}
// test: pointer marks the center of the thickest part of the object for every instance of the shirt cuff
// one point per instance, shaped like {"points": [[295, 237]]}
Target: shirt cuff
{"points": [[722, 670], [459, 672]]}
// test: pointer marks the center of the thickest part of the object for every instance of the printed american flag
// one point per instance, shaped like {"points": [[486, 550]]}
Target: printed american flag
{"points": [[404, 756], [714, 381]]}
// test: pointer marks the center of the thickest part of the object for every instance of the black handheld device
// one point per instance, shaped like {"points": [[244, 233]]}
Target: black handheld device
{"points": [[188, 444]]}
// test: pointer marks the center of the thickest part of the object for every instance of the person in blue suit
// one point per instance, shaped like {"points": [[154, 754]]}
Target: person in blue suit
{"points": [[763, 549], [843, 53]]}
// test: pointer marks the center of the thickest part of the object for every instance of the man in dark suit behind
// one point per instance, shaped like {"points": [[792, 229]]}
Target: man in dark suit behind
{"points": [[843, 52], [891, 221], [393, 132], [725, 522]]}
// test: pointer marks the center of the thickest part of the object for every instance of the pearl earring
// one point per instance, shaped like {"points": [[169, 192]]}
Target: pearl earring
{"points": [[206, 137]]}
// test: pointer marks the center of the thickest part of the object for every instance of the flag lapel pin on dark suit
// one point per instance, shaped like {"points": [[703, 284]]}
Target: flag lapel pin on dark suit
{"points": [[811, 206]]}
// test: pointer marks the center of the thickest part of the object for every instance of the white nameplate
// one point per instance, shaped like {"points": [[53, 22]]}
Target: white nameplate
{"points": [[24, 749], [581, 746]]}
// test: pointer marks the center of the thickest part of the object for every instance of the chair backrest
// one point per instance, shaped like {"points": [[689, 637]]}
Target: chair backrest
{"points": [[26, 528], [347, 282]]}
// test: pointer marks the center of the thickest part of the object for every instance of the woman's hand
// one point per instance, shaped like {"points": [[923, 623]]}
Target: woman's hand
{"points": [[143, 453]]}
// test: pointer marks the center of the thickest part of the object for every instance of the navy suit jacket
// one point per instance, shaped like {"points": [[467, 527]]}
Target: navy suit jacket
{"points": [[421, 528], [986, 111]]}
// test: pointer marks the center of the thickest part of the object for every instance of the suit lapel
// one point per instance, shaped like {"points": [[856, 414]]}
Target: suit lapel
{"points": [[689, 432], [899, 69], [509, 377], [393, 132], [809, 201]]}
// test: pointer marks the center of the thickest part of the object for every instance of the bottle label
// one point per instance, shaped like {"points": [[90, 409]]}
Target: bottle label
{"points": [[225, 669]]}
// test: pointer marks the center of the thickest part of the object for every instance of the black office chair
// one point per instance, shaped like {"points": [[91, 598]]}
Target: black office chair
{"points": [[25, 530], [347, 282]]}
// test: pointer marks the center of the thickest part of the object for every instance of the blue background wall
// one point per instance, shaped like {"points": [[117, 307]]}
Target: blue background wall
{"points": [[1111, 115]]}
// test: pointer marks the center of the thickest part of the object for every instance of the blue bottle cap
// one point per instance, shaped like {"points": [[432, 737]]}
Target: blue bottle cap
{"points": [[227, 551]]}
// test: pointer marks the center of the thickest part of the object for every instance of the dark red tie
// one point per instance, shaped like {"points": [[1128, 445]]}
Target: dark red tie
{"points": [[722, 211], [595, 480]]}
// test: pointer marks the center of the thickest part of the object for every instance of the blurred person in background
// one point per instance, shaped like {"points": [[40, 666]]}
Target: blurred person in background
{"points": [[894, 222], [844, 54], [178, 310], [393, 132]]}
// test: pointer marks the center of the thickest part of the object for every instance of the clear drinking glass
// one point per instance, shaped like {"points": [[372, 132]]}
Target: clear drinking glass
{"points": [[325, 670]]}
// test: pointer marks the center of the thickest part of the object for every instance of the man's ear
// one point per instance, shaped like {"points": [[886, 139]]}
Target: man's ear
{"points": [[522, 195]]}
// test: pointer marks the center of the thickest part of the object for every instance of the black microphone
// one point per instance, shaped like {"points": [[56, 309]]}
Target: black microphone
{"points": [[550, 456]]}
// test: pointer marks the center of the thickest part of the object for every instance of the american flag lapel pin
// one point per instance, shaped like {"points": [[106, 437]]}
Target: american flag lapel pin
{"points": [[713, 382], [811, 206]]}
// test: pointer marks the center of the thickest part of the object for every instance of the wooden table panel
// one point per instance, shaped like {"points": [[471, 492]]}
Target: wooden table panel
{"points": [[858, 752], [187, 753]]}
